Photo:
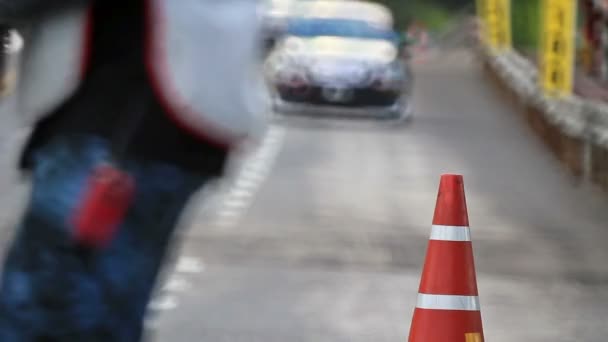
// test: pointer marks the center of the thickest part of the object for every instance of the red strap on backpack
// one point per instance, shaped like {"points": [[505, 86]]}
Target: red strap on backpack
{"points": [[103, 206]]}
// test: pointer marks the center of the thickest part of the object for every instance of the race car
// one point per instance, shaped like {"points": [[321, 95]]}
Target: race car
{"points": [[340, 75]]}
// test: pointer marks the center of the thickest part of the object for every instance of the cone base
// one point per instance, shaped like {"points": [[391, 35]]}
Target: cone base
{"points": [[446, 326]]}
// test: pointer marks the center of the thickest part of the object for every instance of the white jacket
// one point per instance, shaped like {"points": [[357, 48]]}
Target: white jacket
{"points": [[202, 56]]}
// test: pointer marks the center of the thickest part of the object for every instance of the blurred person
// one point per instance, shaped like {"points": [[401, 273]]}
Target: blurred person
{"points": [[4, 44], [9, 48], [135, 106], [405, 44]]}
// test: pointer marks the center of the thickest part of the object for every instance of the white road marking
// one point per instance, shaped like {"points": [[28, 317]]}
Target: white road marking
{"points": [[255, 178], [163, 303], [253, 172], [189, 265], [240, 193], [235, 203], [226, 213], [258, 164], [245, 184], [177, 284]]}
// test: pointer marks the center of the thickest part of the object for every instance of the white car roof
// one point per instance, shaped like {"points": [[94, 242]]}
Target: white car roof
{"points": [[368, 11]]}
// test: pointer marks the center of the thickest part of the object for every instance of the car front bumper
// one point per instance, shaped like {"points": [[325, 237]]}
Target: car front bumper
{"points": [[316, 100], [395, 111]]}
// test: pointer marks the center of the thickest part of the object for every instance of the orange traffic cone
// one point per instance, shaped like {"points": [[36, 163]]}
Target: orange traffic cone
{"points": [[448, 302]]}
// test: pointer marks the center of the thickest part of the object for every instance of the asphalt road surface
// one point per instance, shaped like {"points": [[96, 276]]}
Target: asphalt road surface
{"points": [[320, 232]]}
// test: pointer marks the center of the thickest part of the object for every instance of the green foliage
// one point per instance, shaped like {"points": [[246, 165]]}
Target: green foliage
{"points": [[400, 11], [436, 14], [432, 13], [433, 16], [526, 23]]}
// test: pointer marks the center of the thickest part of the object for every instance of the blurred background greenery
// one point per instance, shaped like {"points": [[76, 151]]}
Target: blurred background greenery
{"points": [[438, 15], [435, 14], [525, 16], [443, 18]]}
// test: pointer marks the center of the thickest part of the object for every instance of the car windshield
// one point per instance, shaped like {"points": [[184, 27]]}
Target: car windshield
{"points": [[370, 49], [346, 28]]}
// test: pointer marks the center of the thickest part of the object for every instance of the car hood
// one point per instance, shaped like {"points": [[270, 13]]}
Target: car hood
{"points": [[319, 48], [334, 60], [334, 72]]}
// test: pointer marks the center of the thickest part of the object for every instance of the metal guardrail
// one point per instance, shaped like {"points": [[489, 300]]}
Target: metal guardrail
{"points": [[577, 118]]}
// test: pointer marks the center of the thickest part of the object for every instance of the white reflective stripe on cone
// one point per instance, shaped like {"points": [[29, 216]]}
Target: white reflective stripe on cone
{"points": [[450, 233], [447, 302]]}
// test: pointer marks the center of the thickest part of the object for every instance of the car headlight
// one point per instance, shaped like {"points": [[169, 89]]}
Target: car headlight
{"points": [[292, 77], [388, 77], [362, 74], [288, 70]]}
